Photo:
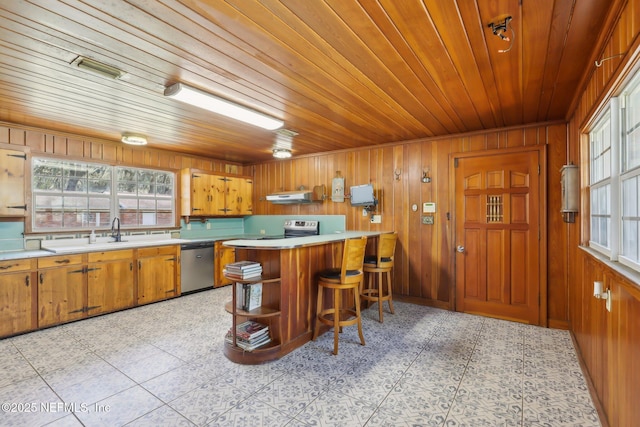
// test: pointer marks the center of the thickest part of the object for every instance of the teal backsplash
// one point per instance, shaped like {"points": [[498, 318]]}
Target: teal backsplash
{"points": [[12, 235]]}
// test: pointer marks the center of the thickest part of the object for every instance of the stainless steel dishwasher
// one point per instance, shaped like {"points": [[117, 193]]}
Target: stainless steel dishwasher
{"points": [[197, 266]]}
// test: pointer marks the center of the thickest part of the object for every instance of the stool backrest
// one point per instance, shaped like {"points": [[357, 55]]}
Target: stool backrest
{"points": [[386, 249], [353, 259]]}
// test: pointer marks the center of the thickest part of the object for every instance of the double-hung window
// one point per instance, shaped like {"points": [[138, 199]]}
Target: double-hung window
{"points": [[76, 196], [614, 178], [630, 177]]}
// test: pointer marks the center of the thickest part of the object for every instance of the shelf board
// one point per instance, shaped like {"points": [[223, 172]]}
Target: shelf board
{"points": [[263, 354], [256, 312], [257, 279]]}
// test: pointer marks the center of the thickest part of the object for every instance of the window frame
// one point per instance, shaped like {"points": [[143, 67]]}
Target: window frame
{"points": [[114, 195], [617, 109]]}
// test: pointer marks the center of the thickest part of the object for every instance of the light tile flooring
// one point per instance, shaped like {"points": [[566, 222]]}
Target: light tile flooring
{"points": [[162, 365]]}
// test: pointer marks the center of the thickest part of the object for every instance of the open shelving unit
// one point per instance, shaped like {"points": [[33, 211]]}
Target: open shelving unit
{"points": [[268, 311]]}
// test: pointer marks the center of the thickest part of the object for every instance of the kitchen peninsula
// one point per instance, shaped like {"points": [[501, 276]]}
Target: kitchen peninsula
{"points": [[289, 291]]}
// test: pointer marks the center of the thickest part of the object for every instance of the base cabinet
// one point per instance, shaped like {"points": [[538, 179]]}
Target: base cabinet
{"points": [[158, 273], [223, 255], [17, 297], [61, 289], [72, 287], [110, 281]]}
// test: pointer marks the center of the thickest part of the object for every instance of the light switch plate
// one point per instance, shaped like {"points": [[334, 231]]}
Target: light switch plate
{"points": [[427, 219], [376, 219]]}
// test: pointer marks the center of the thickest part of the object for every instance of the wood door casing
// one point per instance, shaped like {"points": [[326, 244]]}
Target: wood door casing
{"points": [[498, 200]]}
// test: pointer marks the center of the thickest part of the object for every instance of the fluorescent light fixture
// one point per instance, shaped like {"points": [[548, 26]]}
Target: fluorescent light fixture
{"points": [[281, 153], [218, 105], [131, 139]]}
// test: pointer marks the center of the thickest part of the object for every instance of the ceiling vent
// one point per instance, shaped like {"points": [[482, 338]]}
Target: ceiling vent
{"points": [[96, 67]]}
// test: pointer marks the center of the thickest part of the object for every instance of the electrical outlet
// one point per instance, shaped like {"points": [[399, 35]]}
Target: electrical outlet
{"points": [[364, 212], [208, 226], [263, 232], [376, 219], [427, 219], [189, 226]]}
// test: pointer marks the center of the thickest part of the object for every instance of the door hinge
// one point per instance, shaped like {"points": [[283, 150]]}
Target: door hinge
{"points": [[455, 163], [23, 207], [538, 169]]}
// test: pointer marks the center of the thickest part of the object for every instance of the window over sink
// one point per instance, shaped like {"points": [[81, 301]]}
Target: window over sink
{"points": [[73, 195]]}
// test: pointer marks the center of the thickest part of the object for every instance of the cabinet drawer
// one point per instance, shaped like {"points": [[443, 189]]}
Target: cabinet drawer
{"points": [[59, 261], [15, 265], [110, 255], [158, 250]]}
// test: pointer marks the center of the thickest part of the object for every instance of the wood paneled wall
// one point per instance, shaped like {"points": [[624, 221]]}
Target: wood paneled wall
{"points": [[609, 342], [42, 141], [424, 270]]}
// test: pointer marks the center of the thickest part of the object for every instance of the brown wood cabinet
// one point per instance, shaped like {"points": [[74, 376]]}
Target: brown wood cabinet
{"points": [[61, 289], [223, 255], [17, 296], [158, 273], [206, 195], [110, 281], [12, 194], [71, 287], [239, 196]]}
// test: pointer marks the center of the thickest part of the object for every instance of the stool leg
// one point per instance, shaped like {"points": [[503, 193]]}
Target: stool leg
{"points": [[390, 291], [316, 328], [380, 296], [359, 318], [336, 319]]}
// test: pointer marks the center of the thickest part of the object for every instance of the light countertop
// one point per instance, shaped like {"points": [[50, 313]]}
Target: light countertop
{"points": [[296, 242]]}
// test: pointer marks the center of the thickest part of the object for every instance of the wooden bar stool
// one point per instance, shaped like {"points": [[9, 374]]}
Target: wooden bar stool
{"points": [[346, 278], [380, 263]]}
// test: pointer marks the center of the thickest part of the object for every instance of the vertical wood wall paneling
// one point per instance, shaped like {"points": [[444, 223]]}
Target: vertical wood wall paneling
{"points": [[609, 342]]}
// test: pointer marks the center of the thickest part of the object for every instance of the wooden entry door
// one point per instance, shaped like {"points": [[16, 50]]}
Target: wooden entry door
{"points": [[498, 257]]}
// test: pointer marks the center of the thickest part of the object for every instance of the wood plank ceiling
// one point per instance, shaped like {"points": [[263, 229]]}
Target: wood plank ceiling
{"points": [[341, 73]]}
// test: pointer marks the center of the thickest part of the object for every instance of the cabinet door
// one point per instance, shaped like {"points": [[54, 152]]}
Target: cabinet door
{"points": [[110, 286], [223, 256], [239, 196], [16, 303], [12, 183], [60, 295], [156, 278], [220, 195], [201, 194]]}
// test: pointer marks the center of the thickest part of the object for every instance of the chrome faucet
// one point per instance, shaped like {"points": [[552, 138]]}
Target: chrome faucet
{"points": [[115, 232]]}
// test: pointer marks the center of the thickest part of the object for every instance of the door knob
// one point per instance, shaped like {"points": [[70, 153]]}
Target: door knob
{"points": [[460, 249]]}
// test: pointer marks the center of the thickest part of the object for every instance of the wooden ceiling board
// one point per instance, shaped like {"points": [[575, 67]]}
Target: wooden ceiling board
{"points": [[343, 74]]}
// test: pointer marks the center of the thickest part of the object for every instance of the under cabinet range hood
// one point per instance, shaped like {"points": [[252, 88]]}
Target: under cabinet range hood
{"points": [[297, 196]]}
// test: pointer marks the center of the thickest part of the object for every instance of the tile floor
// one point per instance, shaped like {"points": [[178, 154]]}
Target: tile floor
{"points": [[162, 365]]}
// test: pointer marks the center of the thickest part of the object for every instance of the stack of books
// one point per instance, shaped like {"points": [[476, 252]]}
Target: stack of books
{"points": [[250, 335], [248, 295], [243, 270]]}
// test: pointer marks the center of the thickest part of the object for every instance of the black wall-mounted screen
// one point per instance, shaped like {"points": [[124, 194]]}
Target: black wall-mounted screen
{"points": [[362, 195]]}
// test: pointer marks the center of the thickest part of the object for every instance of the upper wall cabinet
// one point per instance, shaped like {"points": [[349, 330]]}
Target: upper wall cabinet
{"points": [[12, 166], [205, 194]]}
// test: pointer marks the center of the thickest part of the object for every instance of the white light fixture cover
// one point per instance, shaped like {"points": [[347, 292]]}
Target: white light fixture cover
{"points": [[132, 139], [281, 153], [221, 106]]}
